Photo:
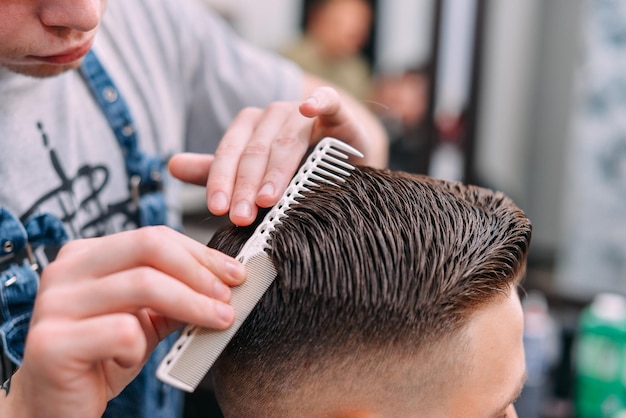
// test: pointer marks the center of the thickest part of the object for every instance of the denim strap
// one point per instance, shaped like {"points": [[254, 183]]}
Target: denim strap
{"points": [[145, 173], [19, 276], [145, 396]]}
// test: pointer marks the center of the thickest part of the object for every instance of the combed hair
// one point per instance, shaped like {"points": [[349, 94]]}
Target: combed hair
{"points": [[387, 262]]}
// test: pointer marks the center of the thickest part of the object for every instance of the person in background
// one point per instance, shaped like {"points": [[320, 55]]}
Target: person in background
{"points": [[334, 35], [396, 296], [98, 100], [401, 102]]}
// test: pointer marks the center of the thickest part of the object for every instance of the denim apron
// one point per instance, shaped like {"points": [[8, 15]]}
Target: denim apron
{"points": [[146, 396]]}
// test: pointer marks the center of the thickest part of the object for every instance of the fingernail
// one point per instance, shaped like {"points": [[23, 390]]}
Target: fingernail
{"points": [[221, 291], [235, 270], [224, 311], [267, 189], [312, 100], [219, 201], [243, 209]]}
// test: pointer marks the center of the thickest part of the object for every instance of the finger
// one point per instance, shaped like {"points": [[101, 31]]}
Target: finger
{"points": [[191, 168], [162, 248], [273, 127], [285, 158], [131, 291], [74, 375], [162, 325], [116, 336], [326, 102], [332, 118], [222, 177]]}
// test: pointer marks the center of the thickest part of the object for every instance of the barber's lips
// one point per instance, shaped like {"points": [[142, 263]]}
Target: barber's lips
{"points": [[67, 56]]}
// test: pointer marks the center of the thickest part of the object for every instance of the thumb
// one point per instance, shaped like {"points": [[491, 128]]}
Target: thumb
{"points": [[324, 102], [191, 168]]}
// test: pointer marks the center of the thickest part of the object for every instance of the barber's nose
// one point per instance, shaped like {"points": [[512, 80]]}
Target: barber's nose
{"points": [[79, 15]]}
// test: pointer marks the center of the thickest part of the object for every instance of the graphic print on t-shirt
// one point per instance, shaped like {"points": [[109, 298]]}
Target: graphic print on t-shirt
{"points": [[76, 199]]}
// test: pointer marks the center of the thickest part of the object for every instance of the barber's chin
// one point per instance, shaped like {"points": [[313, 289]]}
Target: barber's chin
{"points": [[43, 70]]}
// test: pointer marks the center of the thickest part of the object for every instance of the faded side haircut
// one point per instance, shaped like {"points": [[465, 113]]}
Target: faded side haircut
{"points": [[387, 264]]}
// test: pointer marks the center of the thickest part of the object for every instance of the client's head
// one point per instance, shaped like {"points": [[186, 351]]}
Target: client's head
{"points": [[395, 297]]}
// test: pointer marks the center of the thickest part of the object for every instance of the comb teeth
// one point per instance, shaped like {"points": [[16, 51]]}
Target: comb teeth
{"points": [[197, 348], [326, 163]]}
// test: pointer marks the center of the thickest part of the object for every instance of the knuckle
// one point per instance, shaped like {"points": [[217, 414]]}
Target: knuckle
{"points": [[69, 248], [198, 308], [150, 238], [279, 172], [249, 111], [51, 271], [56, 271], [126, 330], [210, 259], [256, 148], [39, 337], [139, 289], [278, 106], [47, 301], [142, 281], [287, 139], [226, 148], [153, 231]]}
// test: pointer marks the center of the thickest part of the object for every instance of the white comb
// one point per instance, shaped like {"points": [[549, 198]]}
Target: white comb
{"points": [[195, 351]]}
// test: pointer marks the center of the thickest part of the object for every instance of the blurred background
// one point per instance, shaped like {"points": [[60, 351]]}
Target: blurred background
{"points": [[523, 96]]}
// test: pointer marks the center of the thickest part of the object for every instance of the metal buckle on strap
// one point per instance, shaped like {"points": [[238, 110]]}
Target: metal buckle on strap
{"points": [[16, 258], [138, 188]]}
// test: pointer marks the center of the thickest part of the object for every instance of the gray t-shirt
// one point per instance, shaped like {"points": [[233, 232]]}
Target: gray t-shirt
{"points": [[184, 75]]}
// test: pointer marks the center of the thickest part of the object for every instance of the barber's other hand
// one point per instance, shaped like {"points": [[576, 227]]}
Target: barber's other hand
{"points": [[263, 148], [102, 307]]}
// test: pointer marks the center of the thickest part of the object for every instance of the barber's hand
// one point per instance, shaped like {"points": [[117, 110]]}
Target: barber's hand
{"points": [[102, 307], [262, 150]]}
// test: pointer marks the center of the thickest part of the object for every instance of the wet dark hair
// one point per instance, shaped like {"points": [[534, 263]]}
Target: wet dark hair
{"points": [[388, 261]]}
